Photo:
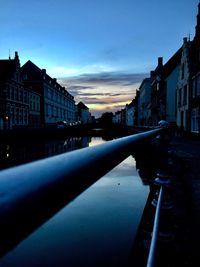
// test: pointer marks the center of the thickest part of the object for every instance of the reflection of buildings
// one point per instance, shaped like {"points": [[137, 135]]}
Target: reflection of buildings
{"points": [[56, 147], [18, 153]]}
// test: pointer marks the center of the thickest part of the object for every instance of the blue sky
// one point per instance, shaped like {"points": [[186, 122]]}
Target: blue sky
{"points": [[81, 42]]}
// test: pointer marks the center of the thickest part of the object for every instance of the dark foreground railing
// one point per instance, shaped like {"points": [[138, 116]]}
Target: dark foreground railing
{"points": [[31, 193], [154, 240]]}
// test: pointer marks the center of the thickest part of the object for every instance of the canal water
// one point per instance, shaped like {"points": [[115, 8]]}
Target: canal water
{"points": [[98, 228]]}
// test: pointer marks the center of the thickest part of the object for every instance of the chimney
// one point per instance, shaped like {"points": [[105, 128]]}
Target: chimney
{"points": [[16, 55], [160, 61], [44, 71], [185, 39]]}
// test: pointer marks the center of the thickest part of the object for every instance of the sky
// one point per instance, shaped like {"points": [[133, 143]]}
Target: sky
{"points": [[100, 50]]}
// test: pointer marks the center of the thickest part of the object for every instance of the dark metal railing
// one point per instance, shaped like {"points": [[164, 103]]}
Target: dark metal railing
{"points": [[31, 193], [164, 204], [154, 240]]}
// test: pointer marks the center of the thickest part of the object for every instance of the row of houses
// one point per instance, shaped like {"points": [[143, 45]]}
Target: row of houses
{"points": [[171, 92], [29, 97]]}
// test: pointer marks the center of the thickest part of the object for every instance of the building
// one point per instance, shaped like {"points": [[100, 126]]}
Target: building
{"points": [[164, 80], [144, 99], [183, 88], [195, 79], [84, 115], [34, 109], [117, 117], [14, 96], [57, 104], [170, 76], [158, 94], [130, 110]]}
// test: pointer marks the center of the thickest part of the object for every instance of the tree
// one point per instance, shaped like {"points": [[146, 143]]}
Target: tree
{"points": [[106, 118]]}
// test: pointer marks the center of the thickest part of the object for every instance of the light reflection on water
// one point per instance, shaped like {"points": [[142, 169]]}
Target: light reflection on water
{"points": [[96, 141], [96, 229]]}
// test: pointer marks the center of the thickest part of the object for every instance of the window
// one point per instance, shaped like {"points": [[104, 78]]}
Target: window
{"points": [[185, 95], [193, 88], [12, 115], [8, 91], [182, 71], [25, 97], [21, 95], [179, 97], [12, 93], [198, 86], [25, 77], [195, 120]]}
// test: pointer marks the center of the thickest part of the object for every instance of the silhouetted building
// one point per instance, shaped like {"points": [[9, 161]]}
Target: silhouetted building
{"points": [[117, 117], [195, 79], [170, 77], [14, 96], [158, 95], [130, 110], [84, 115], [183, 88], [144, 99], [57, 104]]}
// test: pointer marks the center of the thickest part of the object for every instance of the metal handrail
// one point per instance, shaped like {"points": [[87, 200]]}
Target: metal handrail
{"points": [[31, 193], [155, 232]]}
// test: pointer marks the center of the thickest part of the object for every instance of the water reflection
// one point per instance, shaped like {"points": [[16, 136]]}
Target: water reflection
{"points": [[13, 154], [98, 228]]}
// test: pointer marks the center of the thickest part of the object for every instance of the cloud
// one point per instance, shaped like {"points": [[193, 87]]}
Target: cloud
{"points": [[105, 90], [124, 79]]}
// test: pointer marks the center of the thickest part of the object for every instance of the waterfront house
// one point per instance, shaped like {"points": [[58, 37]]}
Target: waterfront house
{"points": [[170, 77], [57, 104], [144, 112], [84, 115], [14, 96], [195, 79]]}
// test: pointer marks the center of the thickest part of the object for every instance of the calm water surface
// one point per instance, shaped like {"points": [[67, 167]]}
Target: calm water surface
{"points": [[98, 228]]}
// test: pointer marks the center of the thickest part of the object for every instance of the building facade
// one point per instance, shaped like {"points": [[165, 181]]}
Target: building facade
{"points": [[14, 96], [195, 79], [84, 115], [183, 117], [130, 110], [56, 104], [144, 112]]}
